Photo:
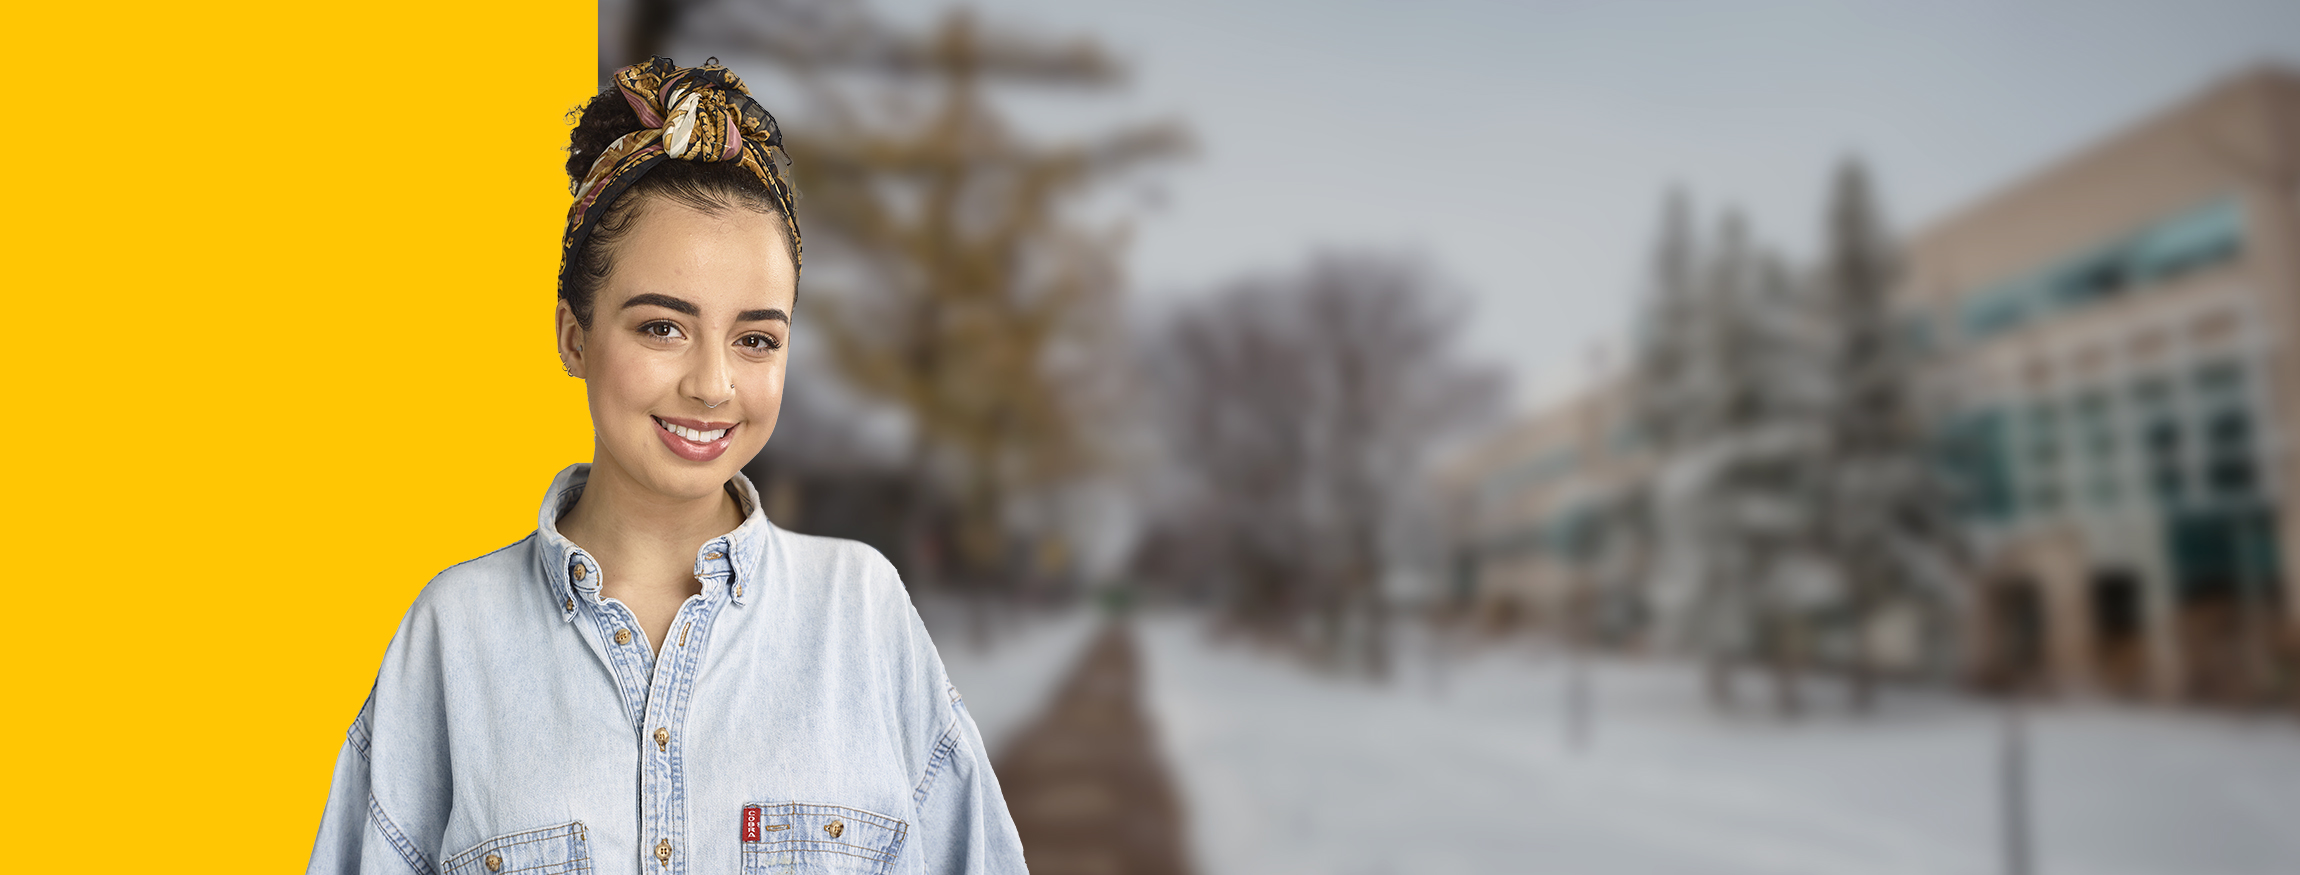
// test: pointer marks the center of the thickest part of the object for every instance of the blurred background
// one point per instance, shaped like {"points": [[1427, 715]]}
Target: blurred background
{"points": [[1567, 437]]}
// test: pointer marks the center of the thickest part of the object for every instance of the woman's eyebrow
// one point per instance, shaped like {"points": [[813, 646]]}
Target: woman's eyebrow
{"points": [[664, 301], [763, 316]]}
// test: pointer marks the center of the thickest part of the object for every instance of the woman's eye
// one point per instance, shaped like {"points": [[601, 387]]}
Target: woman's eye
{"points": [[663, 330], [763, 342]]}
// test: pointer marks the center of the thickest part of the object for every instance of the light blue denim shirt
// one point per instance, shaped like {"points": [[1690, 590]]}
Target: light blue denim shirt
{"points": [[796, 720]]}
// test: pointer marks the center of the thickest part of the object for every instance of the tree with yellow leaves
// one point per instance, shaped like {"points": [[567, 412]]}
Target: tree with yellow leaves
{"points": [[952, 277]]}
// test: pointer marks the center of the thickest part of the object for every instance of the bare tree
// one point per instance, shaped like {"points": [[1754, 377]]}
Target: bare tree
{"points": [[1301, 410]]}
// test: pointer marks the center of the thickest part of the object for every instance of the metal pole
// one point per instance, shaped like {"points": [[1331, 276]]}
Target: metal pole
{"points": [[2013, 775], [1577, 682]]}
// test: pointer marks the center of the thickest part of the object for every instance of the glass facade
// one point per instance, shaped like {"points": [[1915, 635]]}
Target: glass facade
{"points": [[2043, 466], [2195, 447], [2096, 428], [1977, 451]]}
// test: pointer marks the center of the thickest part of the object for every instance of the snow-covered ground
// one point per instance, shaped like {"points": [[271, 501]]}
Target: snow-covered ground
{"points": [[1286, 772], [1009, 682]]}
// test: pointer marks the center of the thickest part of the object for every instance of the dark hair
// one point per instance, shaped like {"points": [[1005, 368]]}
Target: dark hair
{"points": [[711, 187]]}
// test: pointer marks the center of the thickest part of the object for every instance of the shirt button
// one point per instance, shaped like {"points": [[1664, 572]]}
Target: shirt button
{"points": [[569, 605], [494, 863], [663, 852], [579, 571], [622, 636], [710, 555], [662, 738]]}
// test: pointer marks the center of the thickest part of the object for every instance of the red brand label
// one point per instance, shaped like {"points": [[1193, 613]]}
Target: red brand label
{"points": [[751, 824]]}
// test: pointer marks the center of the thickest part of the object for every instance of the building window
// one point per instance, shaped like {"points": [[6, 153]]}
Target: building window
{"points": [[1978, 453], [2222, 380], [2044, 457], [2152, 394], [2228, 466], [2094, 417], [2163, 442], [2045, 497]]}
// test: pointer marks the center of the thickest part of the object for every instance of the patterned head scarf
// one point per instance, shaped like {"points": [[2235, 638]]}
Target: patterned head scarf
{"points": [[691, 114]]}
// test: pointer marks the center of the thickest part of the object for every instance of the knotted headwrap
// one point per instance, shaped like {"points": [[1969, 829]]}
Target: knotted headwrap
{"points": [[691, 114]]}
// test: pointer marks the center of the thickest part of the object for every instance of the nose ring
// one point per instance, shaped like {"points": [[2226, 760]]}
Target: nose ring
{"points": [[713, 406]]}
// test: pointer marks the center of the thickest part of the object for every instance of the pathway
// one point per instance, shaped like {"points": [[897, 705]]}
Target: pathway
{"points": [[1085, 783]]}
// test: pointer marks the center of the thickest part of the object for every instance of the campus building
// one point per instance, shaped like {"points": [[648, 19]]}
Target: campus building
{"points": [[1534, 507], [2114, 336], [2109, 345]]}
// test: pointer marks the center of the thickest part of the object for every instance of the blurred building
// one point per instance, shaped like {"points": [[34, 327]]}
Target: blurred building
{"points": [[2115, 336], [2110, 344], [1537, 506]]}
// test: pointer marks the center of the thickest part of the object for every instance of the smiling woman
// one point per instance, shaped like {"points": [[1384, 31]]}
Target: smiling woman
{"points": [[658, 678]]}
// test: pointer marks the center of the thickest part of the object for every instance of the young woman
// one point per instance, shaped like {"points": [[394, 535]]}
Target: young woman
{"points": [[657, 679]]}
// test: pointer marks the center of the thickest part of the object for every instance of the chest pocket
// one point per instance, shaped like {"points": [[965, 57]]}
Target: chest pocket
{"points": [[552, 850], [803, 839]]}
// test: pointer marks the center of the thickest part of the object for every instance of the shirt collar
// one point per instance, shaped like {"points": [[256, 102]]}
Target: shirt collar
{"points": [[731, 560]]}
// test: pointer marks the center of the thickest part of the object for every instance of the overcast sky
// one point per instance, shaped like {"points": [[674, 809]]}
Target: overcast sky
{"points": [[1524, 147]]}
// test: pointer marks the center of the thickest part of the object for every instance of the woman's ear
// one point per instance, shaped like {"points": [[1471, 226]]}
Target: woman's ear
{"points": [[571, 336]]}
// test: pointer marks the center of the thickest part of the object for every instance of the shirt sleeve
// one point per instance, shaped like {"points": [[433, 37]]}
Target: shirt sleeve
{"points": [[355, 834], [963, 819]]}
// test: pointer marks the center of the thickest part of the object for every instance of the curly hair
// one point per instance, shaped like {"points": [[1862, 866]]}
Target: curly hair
{"points": [[709, 187]]}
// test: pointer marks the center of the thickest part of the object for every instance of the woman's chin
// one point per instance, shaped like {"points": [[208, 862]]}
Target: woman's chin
{"points": [[670, 477]]}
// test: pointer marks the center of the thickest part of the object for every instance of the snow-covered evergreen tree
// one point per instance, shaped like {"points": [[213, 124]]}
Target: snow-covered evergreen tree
{"points": [[1889, 524], [1728, 397], [1758, 503], [1796, 494]]}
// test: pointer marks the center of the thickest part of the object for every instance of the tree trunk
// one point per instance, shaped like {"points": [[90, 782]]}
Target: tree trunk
{"points": [[1781, 657], [1862, 673], [1783, 648], [1377, 635], [1720, 672]]}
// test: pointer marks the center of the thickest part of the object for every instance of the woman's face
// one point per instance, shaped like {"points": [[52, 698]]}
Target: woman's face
{"points": [[683, 362]]}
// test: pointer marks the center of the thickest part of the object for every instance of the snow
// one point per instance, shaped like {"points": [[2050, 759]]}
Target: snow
{"points": [[1468, 770], [1009, 682]]}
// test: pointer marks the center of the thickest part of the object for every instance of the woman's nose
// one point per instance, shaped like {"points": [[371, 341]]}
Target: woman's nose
{"points": [[712, 381]]}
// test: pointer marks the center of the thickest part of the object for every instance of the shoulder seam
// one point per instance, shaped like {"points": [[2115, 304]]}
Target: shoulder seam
{"points": [[399, 841], [945, 749], [522, 540]]}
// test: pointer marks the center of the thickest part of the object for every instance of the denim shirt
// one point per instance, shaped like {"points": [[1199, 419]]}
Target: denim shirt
{"points": [[796, 720]]}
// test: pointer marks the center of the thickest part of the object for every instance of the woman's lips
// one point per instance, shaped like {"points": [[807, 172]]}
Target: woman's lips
{"points": [[694, 440]]}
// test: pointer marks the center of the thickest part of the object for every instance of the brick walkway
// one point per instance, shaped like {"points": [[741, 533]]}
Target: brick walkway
{"points": [[1085, 783]]}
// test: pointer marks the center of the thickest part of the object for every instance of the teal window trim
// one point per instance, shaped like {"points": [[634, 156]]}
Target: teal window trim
{"points": [[2200, 236]]}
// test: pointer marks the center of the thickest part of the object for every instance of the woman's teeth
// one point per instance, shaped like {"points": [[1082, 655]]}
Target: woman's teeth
{"points": [[700, 437]]}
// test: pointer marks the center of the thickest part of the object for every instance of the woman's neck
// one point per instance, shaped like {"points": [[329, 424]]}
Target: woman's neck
{"points": [[642, 537]]}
